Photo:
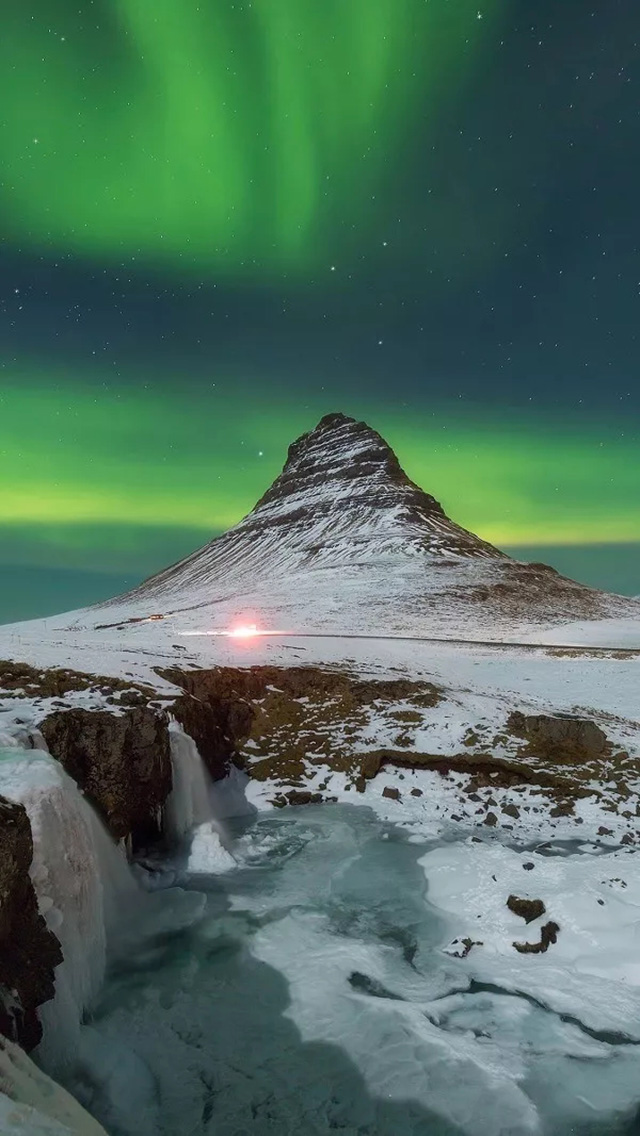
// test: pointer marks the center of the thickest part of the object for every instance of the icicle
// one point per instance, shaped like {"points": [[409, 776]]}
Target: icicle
{"points": [[189, 803]]}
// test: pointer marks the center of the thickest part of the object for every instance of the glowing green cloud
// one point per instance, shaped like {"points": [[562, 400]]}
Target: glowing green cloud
{"points": [[220, 133], [106, 478]]}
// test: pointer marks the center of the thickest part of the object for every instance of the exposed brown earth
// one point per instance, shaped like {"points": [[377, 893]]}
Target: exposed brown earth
{"points": [[527, 909], [272, 720], [55, 682], [29, 952], [281, 723], [548, 936]]}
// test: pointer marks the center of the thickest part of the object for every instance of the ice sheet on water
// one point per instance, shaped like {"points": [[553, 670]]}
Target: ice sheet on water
{"points": [[313, 995], [593, 971]]}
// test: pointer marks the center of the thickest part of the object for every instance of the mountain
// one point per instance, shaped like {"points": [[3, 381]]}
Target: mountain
{"points": [[344, 541]]}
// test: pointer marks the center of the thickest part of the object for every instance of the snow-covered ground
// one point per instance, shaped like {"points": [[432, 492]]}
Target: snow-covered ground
{"points": [[481, 686]]}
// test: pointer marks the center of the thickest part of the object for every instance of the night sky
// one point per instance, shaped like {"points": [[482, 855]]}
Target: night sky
{"points": [[221, 219]]}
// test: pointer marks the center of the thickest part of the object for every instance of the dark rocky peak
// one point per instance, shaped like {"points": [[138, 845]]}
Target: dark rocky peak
{"points": [[347, 463]]}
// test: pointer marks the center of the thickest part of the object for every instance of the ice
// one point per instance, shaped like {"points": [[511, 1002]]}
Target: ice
{"points": [[83, 885], [310, 992], [33, 1105], [196, 807], [593, 970], [207, 853], [189, 802]]}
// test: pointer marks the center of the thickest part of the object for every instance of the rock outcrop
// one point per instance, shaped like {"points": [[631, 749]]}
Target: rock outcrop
{"points": [[527, 909], [278, 717], [561, 738], [548, 936], [29, 952], [120, 761]]}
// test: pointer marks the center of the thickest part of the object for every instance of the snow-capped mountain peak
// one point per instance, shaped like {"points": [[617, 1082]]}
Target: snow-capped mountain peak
{"points": [[342, 499]]}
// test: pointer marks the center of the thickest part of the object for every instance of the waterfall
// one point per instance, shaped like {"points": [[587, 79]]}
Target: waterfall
{"points": [[196, 808], [85, 888], [83, 884], [189, 803]]}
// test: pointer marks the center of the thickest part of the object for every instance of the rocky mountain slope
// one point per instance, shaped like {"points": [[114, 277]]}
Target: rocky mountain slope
{"points": [[344, 541]]}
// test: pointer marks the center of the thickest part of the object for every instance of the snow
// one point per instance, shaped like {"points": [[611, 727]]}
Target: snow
{"points": [[82, 883], [593, 970], [326, 958], [341, 545], [207, 853], [622, 633], [343, 565]]}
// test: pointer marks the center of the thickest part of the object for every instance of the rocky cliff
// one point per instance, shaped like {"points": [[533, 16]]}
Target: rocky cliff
{"points": [[29, 952], [120, 761]]}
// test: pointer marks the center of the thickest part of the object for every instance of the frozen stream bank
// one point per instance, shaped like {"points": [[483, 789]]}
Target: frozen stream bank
{"points": [[312, 992]]}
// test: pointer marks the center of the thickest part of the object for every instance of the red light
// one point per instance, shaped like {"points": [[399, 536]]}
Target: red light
{"points": [[245, 631]]}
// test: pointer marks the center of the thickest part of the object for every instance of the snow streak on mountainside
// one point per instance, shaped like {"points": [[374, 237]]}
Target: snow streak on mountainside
{"points": [[341, 499], [345, 541]]}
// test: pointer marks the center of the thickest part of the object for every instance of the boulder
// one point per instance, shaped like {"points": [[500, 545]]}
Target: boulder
{"points": [[370, 765], [557, 737], [548, 935], [527, 909]]}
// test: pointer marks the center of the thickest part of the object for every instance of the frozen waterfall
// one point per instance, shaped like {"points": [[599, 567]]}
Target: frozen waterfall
{"points": [[85, 888], [83, 884], [33, 1105]]}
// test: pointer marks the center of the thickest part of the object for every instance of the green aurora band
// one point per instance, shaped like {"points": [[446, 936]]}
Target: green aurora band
{"points": [[227, 139], [119, 479], [226, 135]]}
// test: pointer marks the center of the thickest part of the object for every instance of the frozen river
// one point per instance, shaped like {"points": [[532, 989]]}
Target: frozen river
{"points": [[307, 990]]}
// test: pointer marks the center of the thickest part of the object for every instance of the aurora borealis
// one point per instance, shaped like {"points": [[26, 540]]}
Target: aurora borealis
{"points": [[221, 220], [219, 135]]}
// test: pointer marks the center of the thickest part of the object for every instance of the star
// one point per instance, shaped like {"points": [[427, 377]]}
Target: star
{"points": [[260, 453], [479, 16], [333, 267], [36, 140]]}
